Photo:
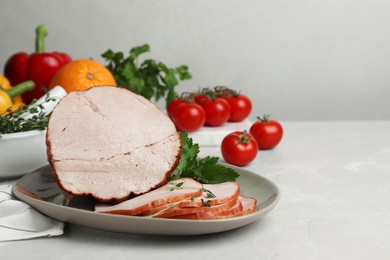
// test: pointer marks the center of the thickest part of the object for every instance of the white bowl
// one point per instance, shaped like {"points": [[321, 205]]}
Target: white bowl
{"points": [[21, 153]]}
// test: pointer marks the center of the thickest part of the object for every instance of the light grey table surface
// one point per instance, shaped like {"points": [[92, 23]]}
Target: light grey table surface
{"points": [[334, 179]]}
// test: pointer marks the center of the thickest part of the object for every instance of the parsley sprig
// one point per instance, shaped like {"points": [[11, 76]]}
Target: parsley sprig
{"points": [[151, 79], [205, 170]]}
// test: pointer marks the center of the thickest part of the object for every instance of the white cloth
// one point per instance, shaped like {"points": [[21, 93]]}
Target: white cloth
{"points": [[19, 220]]}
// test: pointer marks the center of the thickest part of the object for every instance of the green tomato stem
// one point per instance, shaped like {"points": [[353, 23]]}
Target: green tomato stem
{"points": [[265, 118], [243, 138]]}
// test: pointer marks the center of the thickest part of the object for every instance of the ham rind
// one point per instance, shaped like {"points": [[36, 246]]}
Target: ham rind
{"points": [[215, 194], [111, 143], [171, 192]]}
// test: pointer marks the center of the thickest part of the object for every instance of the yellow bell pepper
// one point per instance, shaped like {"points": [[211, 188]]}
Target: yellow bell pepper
{"points": [[5, 85], [7, 95]]}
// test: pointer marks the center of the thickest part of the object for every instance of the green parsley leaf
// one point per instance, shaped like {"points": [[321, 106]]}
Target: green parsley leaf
{"points": [[224, 174], [205, 170]]}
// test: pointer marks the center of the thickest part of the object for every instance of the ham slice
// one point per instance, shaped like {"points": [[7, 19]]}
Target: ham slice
{"points": [[233, 211], [223, 201], [168, 200], [214, 194], [224, 193], [171, 192], [111, 143], [244, 206], [249, 204], [177, 211]]}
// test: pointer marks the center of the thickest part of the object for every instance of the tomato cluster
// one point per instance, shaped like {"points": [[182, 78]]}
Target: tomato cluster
{"points": [[240, 148], [216, 107], [208, 108]]}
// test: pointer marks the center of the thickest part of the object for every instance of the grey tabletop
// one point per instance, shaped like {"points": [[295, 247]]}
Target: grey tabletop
{"points": [[334, 179]]}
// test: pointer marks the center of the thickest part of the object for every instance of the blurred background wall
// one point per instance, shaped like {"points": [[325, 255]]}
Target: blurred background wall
{"points": [[296, 59]]}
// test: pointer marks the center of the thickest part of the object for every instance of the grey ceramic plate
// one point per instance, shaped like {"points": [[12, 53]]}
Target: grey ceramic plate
{"points": [[40, 190]]}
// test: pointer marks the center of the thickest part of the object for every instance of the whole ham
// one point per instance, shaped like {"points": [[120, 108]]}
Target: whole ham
{"points": [[111, 143]]}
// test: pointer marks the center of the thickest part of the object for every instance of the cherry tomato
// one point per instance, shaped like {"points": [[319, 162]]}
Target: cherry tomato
{"points": [[267, 133], [200, 98], [189, 117], [239, 148], [173, 105], [240, 107], [217, 111]]}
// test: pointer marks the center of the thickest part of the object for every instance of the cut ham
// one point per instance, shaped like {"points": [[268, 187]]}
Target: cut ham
{"points": [[111, 143], [168, 200], [176, 210], [248, 204], [234, 210], [214, 194], [244, 206], [171, 192]]}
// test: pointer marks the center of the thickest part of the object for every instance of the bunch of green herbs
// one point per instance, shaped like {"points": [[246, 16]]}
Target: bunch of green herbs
{"points": [[205, 170], [25, 118], [150, 78]]}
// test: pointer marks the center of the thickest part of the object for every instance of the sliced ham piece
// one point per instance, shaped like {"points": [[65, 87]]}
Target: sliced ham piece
{"points": [[215, 197], [171, 192], [214, 194], [167, 202], [244, 206], [111, 143], [228, 212], [176, 211], [222, 193], [249, 204]]}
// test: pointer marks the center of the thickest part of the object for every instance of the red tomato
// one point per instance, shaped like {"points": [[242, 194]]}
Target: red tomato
{"points": [[217, 111], [267, 133], [239, 148], [200, 98], [240, 107], [173, 105], [189, 117]]}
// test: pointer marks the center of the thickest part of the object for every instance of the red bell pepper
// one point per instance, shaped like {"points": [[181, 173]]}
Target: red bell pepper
{"points": [[39, 67]]}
